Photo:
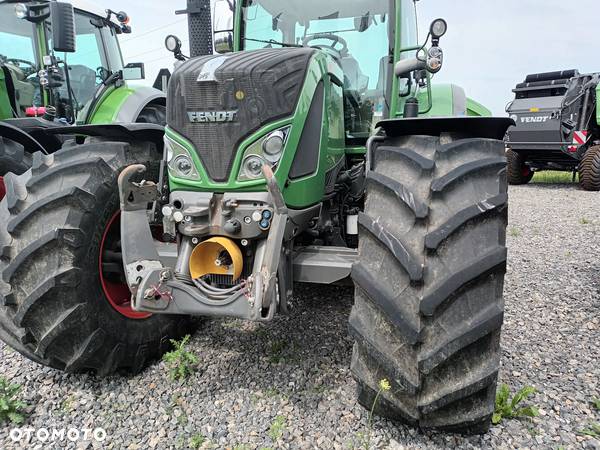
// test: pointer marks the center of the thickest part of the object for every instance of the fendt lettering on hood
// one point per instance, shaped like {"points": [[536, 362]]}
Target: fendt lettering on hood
{"points": [[212, 116]]}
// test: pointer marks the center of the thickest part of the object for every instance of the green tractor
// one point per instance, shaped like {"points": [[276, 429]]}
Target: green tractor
{"points": [[313, 149], [60, 64]]}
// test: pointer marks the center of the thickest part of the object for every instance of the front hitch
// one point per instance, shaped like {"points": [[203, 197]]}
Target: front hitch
{"points": [[169, 290]]}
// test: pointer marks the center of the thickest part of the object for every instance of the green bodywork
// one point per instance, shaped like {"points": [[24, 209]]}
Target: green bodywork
{"points": [[5, 109], [435, 101], [598, 104], [108, 107]]}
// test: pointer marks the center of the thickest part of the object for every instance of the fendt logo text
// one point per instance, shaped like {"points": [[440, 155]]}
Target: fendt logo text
{"points": [[535, 119], [212, 116]]}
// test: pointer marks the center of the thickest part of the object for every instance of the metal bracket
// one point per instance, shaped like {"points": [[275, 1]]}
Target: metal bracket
{"points": [[140, 256], [136, 196]]}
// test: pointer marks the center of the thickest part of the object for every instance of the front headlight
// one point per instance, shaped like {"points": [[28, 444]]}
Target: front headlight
{"points": [[252, 167], [267, 150], [180, 161]]}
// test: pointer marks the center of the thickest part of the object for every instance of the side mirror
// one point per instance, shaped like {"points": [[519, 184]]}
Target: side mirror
{"points": [[224, 42], [62, 18], [134, 71], [223, 26]]}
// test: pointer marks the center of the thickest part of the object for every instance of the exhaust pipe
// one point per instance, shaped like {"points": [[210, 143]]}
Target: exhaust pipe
{"points": [[199, 27]]}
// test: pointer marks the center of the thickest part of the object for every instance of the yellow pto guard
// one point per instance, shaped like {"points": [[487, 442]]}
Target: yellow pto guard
{"points": [[216, 256]]}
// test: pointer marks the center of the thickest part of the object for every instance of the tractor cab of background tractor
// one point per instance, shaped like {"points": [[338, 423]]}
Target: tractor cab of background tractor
{"points": [[62, 74]]}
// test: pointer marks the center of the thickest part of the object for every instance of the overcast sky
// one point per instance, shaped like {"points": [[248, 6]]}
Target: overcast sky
{"points": [[490, 45]]}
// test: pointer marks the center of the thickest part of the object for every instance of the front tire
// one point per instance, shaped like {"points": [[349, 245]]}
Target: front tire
{"points": [[54, 308], [518, 172], [428, 300], [589, 169]]}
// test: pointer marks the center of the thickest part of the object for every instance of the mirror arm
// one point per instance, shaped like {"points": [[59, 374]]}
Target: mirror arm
{"points": [[408, 65]]}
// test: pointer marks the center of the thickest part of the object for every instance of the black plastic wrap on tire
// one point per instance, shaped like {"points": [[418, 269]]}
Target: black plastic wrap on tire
{"points": [[428, 300], [52, 306]]}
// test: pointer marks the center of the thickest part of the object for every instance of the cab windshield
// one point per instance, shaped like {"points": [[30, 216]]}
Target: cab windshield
{"points": [[357, 33]]}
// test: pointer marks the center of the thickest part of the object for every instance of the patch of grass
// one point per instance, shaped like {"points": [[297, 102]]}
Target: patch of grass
{"points": [[592, 430], [11, 407], [181, 362], [182, 419], [277, 351], [514, 232], [277, 428], [596, 403], [507, 408], [196, 441], [553, 177], [276, 393], [584, 221], [241, 447]]}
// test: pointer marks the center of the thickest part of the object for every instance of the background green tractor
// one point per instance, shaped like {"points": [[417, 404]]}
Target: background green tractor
{"points": [[60, 66], [314, 149]]}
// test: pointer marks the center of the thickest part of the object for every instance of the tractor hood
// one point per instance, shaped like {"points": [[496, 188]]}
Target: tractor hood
{"points": [[216, 102]]}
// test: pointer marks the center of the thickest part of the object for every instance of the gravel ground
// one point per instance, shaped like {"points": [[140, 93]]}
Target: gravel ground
{"points": [[294, 372]]}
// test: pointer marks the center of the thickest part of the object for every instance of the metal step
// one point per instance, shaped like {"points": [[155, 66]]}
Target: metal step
{"points": [[323, 265]]}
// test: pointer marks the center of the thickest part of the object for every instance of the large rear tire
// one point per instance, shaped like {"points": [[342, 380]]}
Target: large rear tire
{"points": [[589, 169], [54, 306], [518, 172], [428, 300]]}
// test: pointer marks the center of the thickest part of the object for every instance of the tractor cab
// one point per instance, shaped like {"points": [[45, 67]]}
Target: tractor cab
{"points": [[342, 29], [43, 65]]}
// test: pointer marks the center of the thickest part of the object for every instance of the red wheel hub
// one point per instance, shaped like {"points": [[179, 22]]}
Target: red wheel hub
{"points": [[115, 289], [2, 188]]}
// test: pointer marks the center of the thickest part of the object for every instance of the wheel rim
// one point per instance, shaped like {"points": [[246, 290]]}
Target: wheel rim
{"points": [[526, 171], [2, 188], [115, 290]]}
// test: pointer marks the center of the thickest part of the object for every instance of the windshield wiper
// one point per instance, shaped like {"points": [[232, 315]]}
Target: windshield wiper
{"points": [[273, 41]]}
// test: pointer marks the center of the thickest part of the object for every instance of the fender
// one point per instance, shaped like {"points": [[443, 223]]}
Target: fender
{"points": [[475, 127], [21, 137], [124, 104], [128, 132], [450, 100]]}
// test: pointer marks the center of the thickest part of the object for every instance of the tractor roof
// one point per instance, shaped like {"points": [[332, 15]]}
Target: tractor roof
{"points": [[303, 10], [82, 5]]}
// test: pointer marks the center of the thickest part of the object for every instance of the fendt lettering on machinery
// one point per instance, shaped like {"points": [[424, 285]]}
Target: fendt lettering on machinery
{"points": [[212, 116]]}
